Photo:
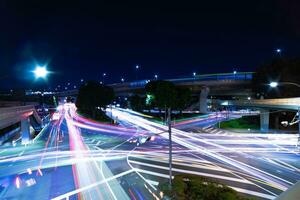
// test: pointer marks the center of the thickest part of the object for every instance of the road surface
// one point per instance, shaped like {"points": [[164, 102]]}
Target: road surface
{"points": [[77, 158]]}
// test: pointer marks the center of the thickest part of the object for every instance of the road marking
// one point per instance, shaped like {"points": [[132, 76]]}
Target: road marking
{"points": [[155, 183], [198, 166], [3, 150], [67, 195], [196, 173]]}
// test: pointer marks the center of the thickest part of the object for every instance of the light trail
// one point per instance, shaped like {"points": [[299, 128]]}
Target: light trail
{"points": [[179, 137]]}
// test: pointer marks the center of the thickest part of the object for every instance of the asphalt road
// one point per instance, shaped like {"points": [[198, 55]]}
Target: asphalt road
{"points": [[77, 158]]}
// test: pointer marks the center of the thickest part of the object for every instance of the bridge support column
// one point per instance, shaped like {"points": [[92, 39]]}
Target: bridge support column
{"points": [[25, 130], [203, 100], [264, 120]]}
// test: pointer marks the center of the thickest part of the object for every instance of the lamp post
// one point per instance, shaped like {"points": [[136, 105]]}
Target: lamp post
{"points": [[103, 75], [40, 72], [274, 84], [278, 51], [170, 148], [137, 67]]}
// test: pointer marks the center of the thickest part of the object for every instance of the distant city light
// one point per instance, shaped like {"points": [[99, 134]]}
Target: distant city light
{"points": [[273, 84], [40, 72]]}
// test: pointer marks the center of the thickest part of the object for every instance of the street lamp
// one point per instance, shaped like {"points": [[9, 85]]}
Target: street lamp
{"points": [[156, 76], [297, 116], [194, 74], [137, 67], [41, 72], [122, 79], [274, 84]]}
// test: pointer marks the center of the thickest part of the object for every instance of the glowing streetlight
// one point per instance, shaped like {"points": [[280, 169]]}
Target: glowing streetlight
{"points": [[194, 74], [156, 76], [41, 72], [122, 79], [137, 67], [273, 84], [278, 50]]}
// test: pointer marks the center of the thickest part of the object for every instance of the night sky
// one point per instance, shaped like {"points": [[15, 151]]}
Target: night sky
{"points": [[85, 39]]}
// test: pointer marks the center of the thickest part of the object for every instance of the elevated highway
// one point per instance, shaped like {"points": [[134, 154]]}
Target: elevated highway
{"points": [[264, 105], [25, 115], [282, 103], [225, 84]]}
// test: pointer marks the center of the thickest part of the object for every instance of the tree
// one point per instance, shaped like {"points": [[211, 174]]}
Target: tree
{"points": [[162, 94], [136, 102], [183, 98], [93, 95], [280, 70]]}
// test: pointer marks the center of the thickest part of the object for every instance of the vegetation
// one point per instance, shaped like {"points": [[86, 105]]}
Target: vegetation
{"points": [[162, 95], [93, 98], [137, 103], [280, 70], [246, 122], [191, 187]]}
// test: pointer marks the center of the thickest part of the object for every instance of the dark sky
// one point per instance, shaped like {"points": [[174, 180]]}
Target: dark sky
{"points": [[84, 39]]}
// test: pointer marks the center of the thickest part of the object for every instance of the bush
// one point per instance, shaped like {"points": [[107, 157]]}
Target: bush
{"points": [[190, 187]]}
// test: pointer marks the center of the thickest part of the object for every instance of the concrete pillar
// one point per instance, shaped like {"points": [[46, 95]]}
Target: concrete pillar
{"points": [[203, 100], [264, 120], [25, 130]]}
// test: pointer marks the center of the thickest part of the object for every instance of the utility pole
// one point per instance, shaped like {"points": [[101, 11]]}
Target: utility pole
{"points": [[170, 148]]}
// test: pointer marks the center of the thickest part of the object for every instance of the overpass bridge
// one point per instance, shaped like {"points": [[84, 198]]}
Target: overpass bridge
{"points": [[236, 84], [25, 115], [264, 105]]}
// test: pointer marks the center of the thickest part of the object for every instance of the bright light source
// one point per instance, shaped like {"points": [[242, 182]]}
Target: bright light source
{"points": [[249, 98], [122, 79], [194, 73], [234, 72], [273, 84], [40, 72], [278, 50], [137, 67]]}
